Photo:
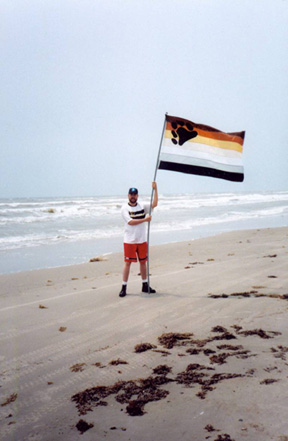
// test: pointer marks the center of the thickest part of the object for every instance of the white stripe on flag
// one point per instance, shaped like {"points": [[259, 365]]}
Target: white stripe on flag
{"points": [[201, 162]]}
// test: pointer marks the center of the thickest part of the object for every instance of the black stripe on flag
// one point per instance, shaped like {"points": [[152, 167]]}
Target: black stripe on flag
{"points": [[202, 171]]}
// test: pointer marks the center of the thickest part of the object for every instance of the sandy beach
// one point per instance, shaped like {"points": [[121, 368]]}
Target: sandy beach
{"points": [[206, 357]]}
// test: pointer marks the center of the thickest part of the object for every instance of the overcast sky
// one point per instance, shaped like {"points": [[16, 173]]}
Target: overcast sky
{"points": [[85, 85]]}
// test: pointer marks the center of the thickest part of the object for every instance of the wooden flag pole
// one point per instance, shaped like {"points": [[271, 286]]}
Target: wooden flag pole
{"points": [[150, 210]]}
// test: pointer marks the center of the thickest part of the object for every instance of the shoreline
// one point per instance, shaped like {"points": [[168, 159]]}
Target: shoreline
{"points": [[198, 236], [218, 336]]}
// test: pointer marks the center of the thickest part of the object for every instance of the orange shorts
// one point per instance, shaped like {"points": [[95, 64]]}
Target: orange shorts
{"points": [[132, 250]]}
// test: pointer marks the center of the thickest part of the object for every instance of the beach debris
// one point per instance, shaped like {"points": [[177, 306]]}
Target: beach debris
{"points": [[200, 343], [271, 255], [43, 307], [145, 390], [117, 362], [272, 277], [280, 352], [230, 347], [224, 333], [98, 259], [224, 437], [164, 353], [260, 332], [269, 381], [218, 296], [62, 329], [10, 399], [83, 426], [210, 260], [193, 351], [221, 358], [171, 339], [162, 369], [78, 367], [75, 278], [116, 428], [235, 294], [210, 428], [136, 393], [98, 364], [275, 296], [248, 294], [143, 347], [192, 376], [50, 382], [50, 210]]}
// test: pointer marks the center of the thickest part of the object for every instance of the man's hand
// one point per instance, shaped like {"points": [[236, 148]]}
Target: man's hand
{"points": [[148, 218], [155, 199]]}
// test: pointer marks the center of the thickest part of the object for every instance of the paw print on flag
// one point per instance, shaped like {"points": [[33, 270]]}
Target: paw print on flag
{"points": [[182, 132]]}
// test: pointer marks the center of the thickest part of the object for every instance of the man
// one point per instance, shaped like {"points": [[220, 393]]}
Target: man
{"points": [[135, 215]]}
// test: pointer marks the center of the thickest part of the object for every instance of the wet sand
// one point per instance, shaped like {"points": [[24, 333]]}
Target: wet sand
{"points": [[206, 357]]}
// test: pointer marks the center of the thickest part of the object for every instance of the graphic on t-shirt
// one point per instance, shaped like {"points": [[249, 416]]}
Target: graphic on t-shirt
{"points": [[137, 214]]}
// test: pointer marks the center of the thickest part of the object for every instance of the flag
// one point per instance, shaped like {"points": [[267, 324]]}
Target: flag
{"points": [[198, 149]]}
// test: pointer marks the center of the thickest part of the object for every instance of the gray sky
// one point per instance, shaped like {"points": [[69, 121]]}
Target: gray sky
{"points": [[85, 86]]}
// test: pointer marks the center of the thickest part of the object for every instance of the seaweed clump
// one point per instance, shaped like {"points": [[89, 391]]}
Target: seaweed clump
{"points": [[135, 393], [143, 347], [171, 339]]}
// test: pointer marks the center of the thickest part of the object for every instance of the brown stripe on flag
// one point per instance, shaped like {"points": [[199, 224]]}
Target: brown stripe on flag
{"points": [[174, 123]]}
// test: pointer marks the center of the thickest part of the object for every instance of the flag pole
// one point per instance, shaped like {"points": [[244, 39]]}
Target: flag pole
{"points": [[150, 210]]}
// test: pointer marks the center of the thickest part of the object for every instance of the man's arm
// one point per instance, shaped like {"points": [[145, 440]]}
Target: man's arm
{"points": [[155, 198], [139, 221]]}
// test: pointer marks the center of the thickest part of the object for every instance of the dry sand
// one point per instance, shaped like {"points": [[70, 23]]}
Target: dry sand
{"points": [[214, 360]]}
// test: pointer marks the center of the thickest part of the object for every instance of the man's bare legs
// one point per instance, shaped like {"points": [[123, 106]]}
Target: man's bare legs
{"points": [[126, 271], [143, 272]]}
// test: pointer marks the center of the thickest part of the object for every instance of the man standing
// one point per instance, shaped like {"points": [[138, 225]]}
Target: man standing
{"points": [[135, 236]]}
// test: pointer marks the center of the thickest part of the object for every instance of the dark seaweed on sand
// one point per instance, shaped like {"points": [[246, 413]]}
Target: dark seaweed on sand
{"points": [[117, 362], [194, 375], [254, 294], [172, 339], [259, 332], [143, 347], [83, 426], [134, 393], [224, 437]]}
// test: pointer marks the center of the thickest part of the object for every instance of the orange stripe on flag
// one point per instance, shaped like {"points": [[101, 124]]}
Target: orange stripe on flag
{"points": [[218, 135]]}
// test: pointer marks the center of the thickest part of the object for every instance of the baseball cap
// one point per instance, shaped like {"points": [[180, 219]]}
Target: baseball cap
{"points": [[133, 190]]}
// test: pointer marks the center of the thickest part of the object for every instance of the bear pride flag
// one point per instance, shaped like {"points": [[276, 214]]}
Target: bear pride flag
{"points": [[198, 149]]}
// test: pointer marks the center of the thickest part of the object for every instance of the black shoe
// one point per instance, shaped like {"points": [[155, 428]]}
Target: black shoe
{"points": [[145, 288], [122, 293]]}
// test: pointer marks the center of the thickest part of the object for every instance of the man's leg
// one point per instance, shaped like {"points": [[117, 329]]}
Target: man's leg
{"points": [[129, 257], [126, 271], [142, 252], [143, 270]]}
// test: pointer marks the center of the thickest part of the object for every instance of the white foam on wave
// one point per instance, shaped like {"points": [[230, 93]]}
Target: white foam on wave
{"points": [[31, 223]]}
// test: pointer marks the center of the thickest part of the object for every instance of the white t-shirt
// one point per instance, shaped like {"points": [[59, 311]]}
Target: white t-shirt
{"points": [[135, 233]]}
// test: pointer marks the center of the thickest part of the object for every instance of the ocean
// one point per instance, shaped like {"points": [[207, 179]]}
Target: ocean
{"points": [[49, 232]]}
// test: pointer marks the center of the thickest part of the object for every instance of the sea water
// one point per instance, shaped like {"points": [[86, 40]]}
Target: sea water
{"points": [[49, 232]]}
